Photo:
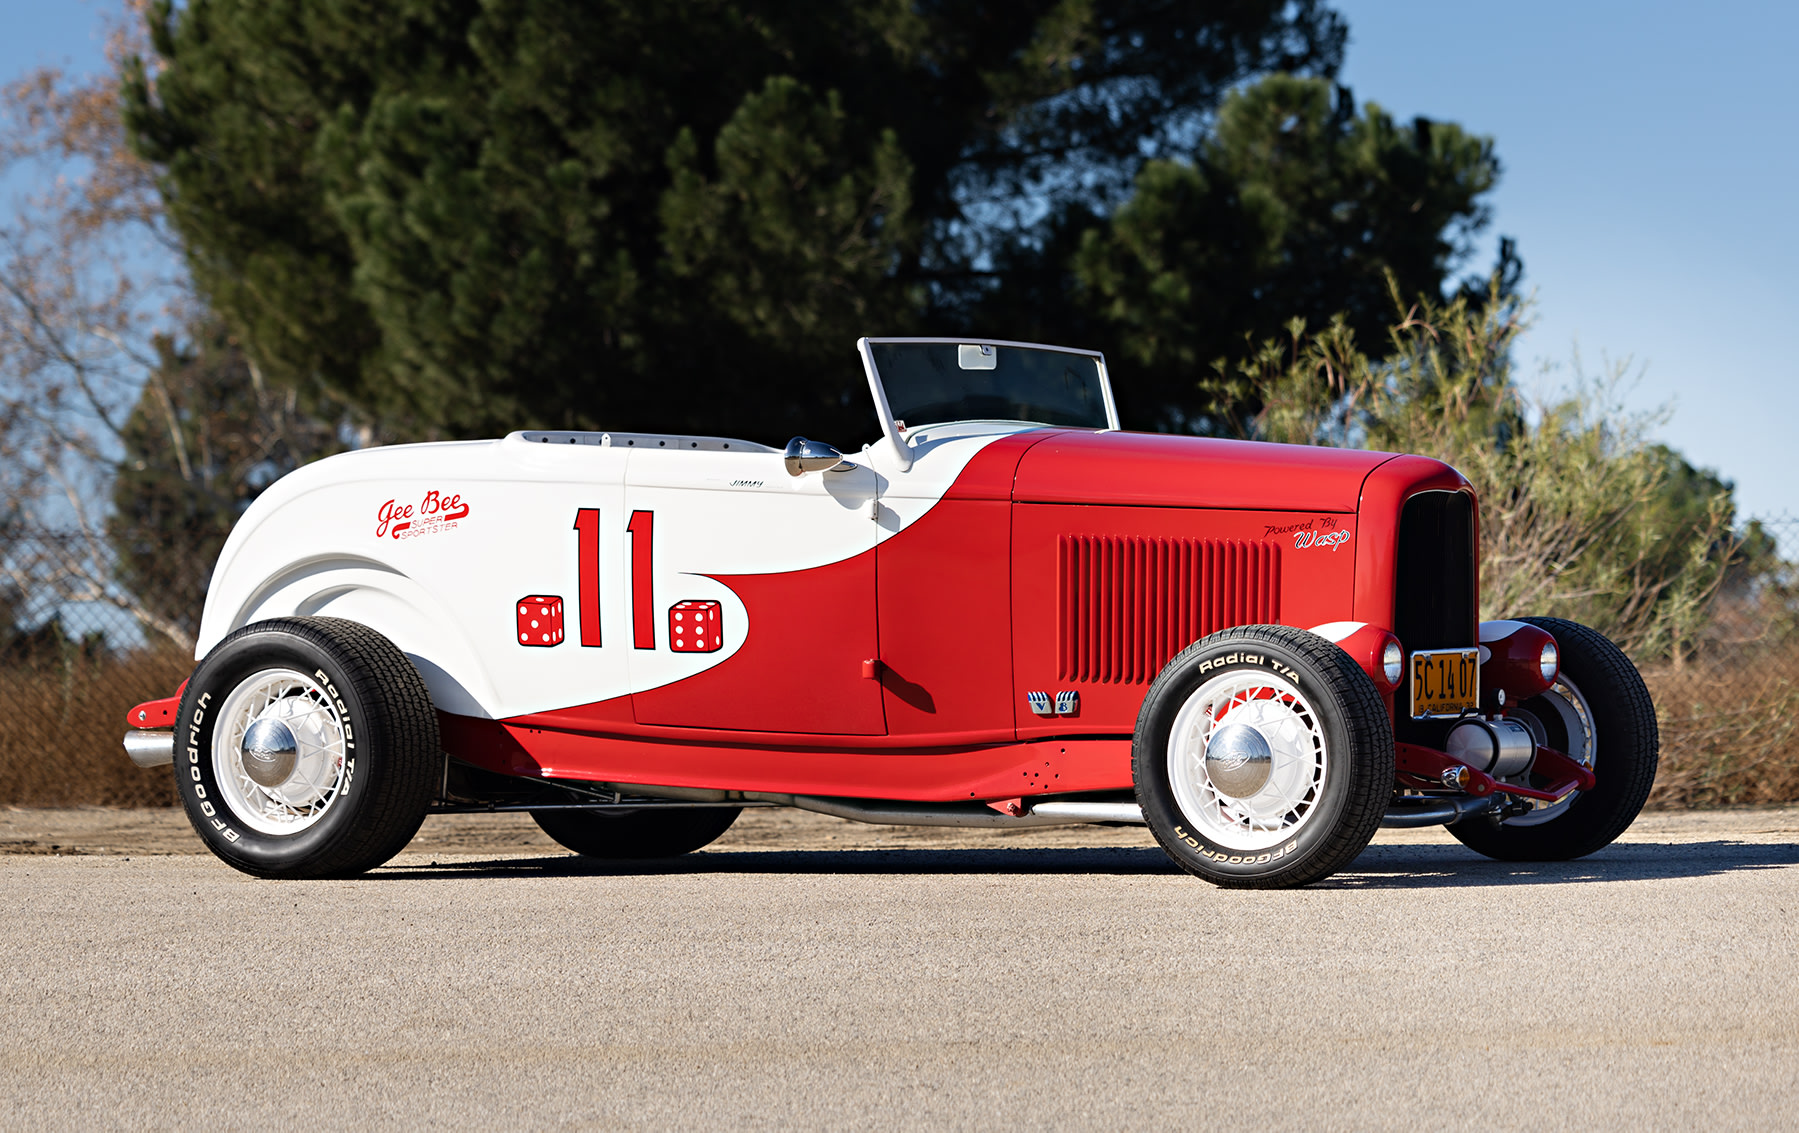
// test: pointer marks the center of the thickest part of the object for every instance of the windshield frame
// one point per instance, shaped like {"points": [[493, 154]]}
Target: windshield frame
{"points": [[884, 410]]}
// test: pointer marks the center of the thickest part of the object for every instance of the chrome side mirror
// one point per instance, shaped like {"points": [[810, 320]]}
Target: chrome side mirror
{"points": [[803, 456]]}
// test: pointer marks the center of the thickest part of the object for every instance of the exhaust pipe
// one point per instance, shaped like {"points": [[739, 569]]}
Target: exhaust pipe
{"points": [[1093, 811], [150, 749], [897, 813], [920, 814]]}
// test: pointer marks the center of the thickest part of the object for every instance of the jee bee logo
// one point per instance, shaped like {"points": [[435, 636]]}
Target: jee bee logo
{"points": [[436, 512]]}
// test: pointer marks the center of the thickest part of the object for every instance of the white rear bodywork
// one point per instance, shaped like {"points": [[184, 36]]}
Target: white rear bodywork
{"points": [[445, 590]]}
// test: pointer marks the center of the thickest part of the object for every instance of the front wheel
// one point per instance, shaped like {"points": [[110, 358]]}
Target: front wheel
{"points": [[1599, 713], [1263, 757], [307, 747]]}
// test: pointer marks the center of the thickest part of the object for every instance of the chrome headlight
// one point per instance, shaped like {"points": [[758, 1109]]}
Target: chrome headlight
{"points": [[1392, 662], [1549, 662]]}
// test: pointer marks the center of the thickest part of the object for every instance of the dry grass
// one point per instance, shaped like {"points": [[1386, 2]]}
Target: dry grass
{"points": [[1730, 729], [62, 723]]}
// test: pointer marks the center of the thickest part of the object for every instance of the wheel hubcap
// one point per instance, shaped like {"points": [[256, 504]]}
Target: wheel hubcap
{"points": [[1238, 760], [270, 752]]}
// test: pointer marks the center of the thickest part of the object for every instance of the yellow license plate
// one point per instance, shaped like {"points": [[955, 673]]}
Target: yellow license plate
{"points": [[1445, 682]]}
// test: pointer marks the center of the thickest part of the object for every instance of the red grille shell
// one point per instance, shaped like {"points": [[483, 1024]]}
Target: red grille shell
{"points": [[1127, 604]]}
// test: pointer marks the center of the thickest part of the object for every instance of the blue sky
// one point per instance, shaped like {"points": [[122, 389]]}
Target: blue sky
{"points": [[59, 32], [1649, 162], [63, 33], [1649, 157]]}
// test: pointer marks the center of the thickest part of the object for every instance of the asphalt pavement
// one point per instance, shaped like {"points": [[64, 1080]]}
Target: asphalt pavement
{"points": [[965, 983]]}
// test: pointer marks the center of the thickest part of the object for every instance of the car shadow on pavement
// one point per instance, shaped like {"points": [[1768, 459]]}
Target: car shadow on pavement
{"points": [[1438, 866], [1379, 867]]}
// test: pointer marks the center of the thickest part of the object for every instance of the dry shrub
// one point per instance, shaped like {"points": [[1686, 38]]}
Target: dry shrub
{"points": [[1730, 714], [64, 719], [1582, 514], [1730, 734]]}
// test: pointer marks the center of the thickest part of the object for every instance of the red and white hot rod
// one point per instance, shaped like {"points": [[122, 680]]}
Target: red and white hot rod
{"points": [[1005, 612]]}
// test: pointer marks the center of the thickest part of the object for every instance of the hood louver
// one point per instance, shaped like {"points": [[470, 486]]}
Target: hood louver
{"points": [[1127, 605]]}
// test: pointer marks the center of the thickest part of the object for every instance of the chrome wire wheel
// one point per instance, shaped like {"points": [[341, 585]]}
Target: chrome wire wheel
{"points": [[1247, 760], [1563, 708], [278, 752]]}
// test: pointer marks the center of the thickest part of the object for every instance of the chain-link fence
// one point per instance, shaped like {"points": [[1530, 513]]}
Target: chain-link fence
{"points": [[85, 634]]}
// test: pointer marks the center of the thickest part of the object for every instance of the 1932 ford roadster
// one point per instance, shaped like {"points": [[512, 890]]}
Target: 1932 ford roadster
{"points": [[1005, 612]]}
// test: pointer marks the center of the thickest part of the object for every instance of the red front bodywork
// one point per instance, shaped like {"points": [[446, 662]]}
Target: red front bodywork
{"points": [[1057, 562]]}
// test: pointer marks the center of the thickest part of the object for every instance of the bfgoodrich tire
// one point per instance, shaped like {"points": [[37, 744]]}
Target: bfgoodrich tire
{"points": [[1600, 713], [307, 747], [650, 832], [1263, 757]]}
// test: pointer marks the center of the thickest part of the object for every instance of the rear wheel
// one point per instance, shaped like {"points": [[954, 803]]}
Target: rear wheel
{"points": [[307, 747], [1599, 713], [649, 832], [1263, 757]]}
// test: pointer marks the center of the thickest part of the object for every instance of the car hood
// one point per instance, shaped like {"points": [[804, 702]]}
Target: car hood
{"points": [[1159, 470]]}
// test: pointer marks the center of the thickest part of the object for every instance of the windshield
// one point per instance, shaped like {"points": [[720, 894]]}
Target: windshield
{"points": [[928, 383]]}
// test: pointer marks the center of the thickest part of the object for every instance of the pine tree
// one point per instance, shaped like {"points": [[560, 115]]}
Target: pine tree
{"points": [[467, 216], [1295, 207]]}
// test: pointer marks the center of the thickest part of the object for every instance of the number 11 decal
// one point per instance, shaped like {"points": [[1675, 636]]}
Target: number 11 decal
{"points": [[587, 522], [642, 529], [643, 595]]}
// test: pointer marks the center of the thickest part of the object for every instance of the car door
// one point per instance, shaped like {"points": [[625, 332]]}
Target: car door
{"points": [[945, 587], [751, 593]]}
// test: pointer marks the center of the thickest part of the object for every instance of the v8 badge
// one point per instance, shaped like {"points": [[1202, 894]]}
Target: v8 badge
{"points": [[1065, 703]]}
